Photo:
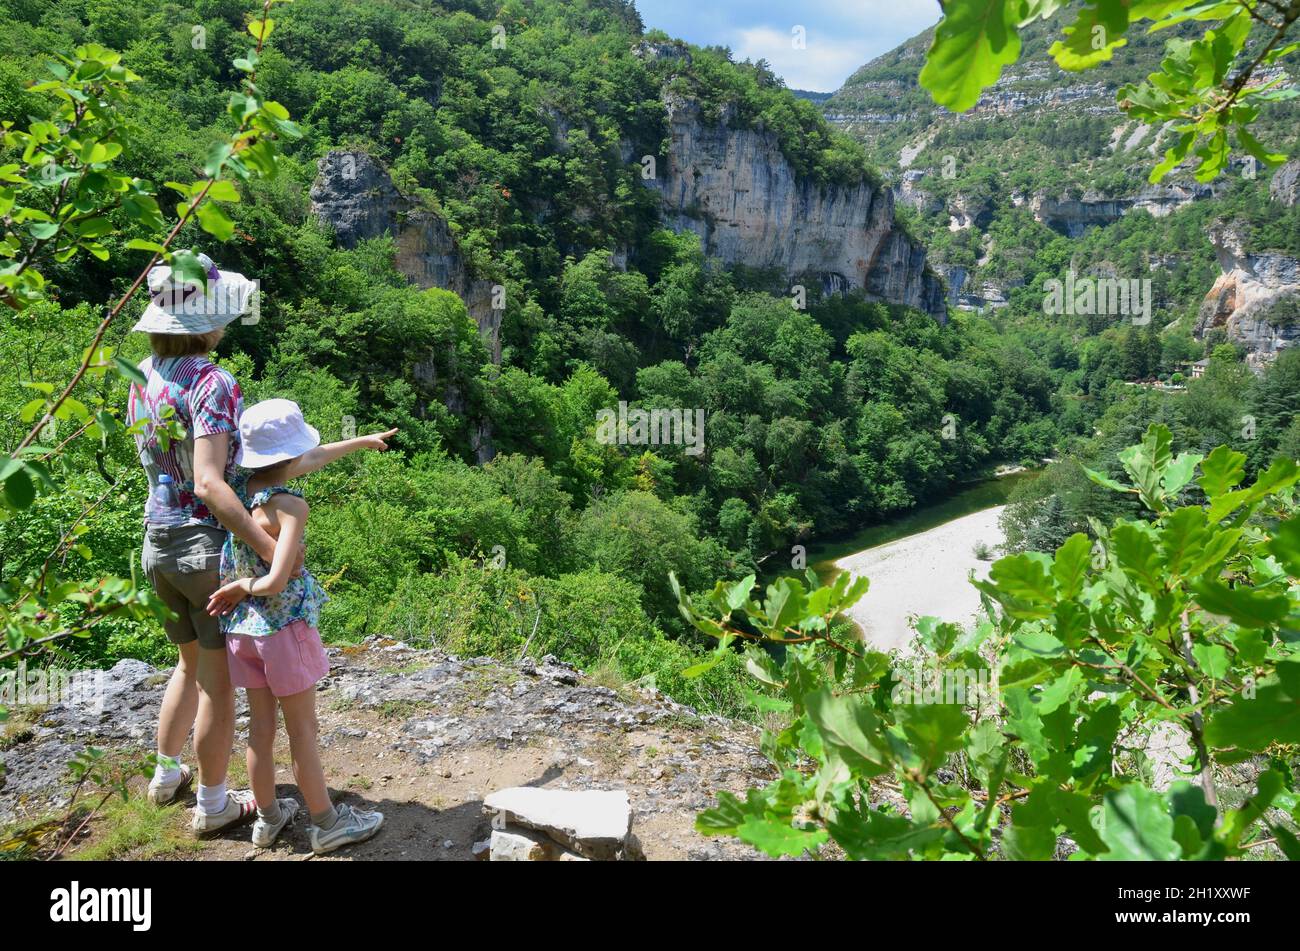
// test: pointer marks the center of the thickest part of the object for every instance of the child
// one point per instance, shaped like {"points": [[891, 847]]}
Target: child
{"points": [[270, 617]]}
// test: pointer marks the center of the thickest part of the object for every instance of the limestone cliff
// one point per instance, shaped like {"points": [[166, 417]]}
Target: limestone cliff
{"points": [[1256, 300], [1073, 217], [730, 185], [733, 187], [1285, 187], [355, 195]]}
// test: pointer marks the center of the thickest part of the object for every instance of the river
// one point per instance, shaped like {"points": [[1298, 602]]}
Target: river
{"points": [[919, 563]]}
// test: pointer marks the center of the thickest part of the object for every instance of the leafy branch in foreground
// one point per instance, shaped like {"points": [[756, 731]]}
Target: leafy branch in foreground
{"points": [[1209, 89], [1181, 624], [62, 198]]}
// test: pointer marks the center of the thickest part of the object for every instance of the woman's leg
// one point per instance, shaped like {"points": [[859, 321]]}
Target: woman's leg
{"points": [[180, 702], [261, 745], [300, 723]]}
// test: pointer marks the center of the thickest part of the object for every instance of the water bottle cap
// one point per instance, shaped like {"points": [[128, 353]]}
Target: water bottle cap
{"points": [[164, 479]]}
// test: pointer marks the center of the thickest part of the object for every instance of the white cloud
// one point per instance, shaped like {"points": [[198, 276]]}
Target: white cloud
{"points": [[842, 34], [873, 20], [822, 65]]}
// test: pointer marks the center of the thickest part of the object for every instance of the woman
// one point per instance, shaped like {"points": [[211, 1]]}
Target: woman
{"points": [[190, 506]]}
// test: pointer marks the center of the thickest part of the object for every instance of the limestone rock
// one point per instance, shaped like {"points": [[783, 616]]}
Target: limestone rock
{"points": [[963, 296], [908, 192], [356, 196], [109, 707], [594, 823], [1285, 187], [1072, 217], [1256, 299], [522, 845], [733, 187], [969, 211]]}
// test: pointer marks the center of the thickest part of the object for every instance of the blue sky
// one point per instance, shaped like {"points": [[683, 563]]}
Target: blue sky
{"points": [[841, 34]]}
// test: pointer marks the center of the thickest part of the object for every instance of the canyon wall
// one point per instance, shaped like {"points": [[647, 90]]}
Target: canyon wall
{"points": [[733, 187], [357, 198], [1256, 300]]}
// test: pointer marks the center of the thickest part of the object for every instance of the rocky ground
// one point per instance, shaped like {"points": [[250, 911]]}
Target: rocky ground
{"points": [[423, 737]]}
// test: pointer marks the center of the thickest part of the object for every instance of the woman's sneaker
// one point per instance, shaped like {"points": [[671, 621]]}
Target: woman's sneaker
{"points": [[240, 807], [265, 833], [353, 826], [161, 792]]}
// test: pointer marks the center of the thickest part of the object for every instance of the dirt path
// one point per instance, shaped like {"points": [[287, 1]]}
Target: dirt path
{"points": [[423, 737]]}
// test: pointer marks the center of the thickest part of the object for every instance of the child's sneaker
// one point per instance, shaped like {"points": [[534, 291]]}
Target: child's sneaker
{"points": [[265, 833], [161, 791], [240, 807], [353, 826]]}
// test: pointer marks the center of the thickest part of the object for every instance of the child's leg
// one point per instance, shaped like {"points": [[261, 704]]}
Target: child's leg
{"points": [[261, 745], [300, 724]]}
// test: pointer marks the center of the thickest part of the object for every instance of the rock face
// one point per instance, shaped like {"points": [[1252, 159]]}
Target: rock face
{"points": [[355, 195], [963, 296], [1285, 187], [1072, 217], [966, 211], [357, 198], [1004, 99], [730, 185], [908, 192], [734, 188], [115, 707], [1256, 299]]}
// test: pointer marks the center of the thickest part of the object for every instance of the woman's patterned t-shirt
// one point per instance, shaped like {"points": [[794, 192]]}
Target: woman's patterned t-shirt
{"points": [[205, 400]]}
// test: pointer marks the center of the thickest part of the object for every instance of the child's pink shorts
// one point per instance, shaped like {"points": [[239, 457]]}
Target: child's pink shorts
{"points": [[289, 661]]}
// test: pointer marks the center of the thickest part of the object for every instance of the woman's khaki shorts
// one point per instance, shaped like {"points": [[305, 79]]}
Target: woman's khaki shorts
{"points": [[182, 562]]}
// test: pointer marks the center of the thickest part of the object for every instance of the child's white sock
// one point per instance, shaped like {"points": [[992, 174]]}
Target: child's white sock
{"points": [[167, 770], [212, 799]]}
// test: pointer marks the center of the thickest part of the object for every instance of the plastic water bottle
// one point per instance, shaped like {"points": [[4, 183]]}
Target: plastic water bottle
{"points": [[166, 502]]}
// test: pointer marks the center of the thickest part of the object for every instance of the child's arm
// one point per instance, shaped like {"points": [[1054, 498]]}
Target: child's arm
{"points": [[291, 515], [322, 456]]}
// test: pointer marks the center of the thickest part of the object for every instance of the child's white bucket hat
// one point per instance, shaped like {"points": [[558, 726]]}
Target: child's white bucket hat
{"points": [[183, 307], [273, 431]]}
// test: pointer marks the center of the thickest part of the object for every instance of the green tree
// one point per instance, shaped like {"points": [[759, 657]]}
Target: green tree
{"points": [[1176, 619]]}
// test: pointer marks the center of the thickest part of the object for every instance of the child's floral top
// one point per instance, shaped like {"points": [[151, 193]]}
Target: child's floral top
{"points": [[301, 599]]}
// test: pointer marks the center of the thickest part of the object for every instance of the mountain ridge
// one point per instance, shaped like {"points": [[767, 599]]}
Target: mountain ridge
{"points": [[1045, 152]]}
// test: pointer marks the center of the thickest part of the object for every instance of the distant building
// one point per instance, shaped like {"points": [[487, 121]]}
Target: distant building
{"points": [[1198, 369]]}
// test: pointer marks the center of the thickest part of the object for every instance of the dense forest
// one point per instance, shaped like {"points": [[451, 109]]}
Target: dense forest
{"points": [[818, 419], [1147, 572]]}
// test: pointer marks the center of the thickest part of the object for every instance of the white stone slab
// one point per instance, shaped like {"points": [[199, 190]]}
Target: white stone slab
{"points": [[593, 823]]}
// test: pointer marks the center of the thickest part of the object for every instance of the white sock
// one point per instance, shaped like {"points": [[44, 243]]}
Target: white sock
{"points": [[212, 799], [168, 769], [271, 814]]}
